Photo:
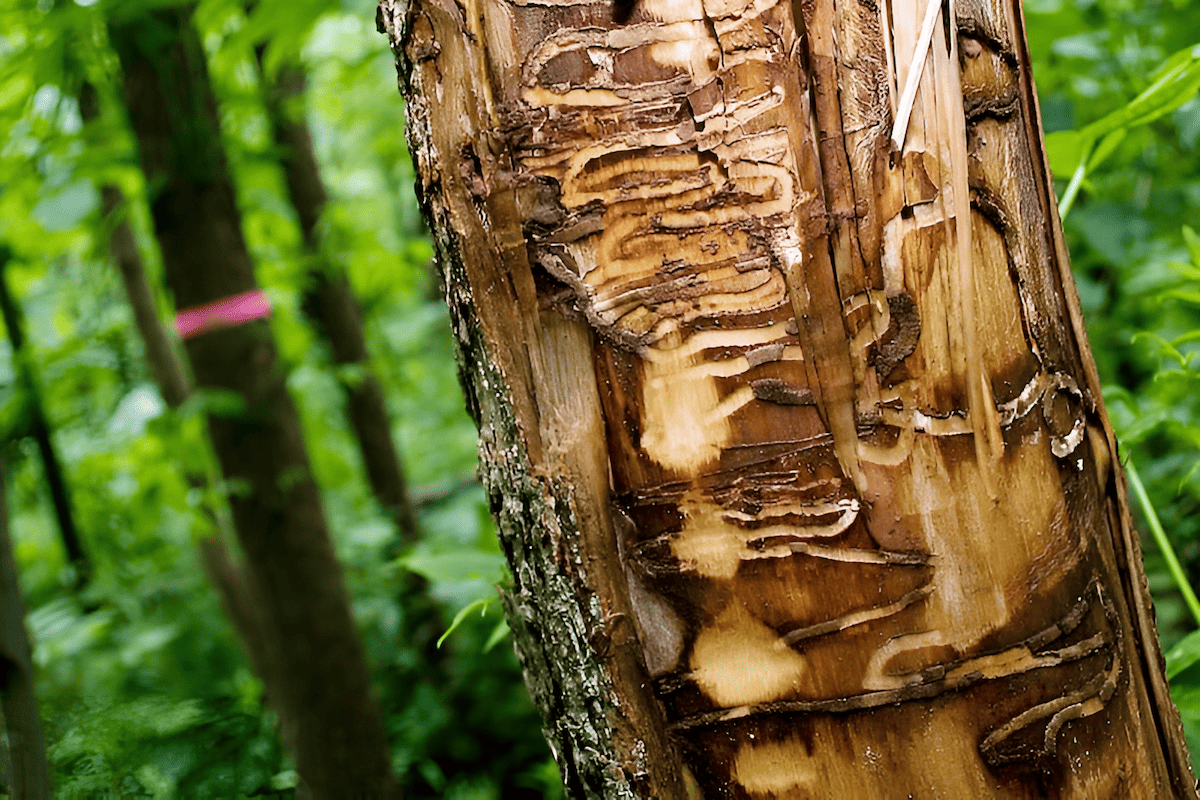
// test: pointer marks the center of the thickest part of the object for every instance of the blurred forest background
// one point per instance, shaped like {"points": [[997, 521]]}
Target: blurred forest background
{"points": [[142, 685]]}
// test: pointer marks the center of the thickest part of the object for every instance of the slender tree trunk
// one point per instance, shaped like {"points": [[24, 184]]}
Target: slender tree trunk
{"points": [[39, 429], [161, 356], [330, 303], [164, 363], [339, 742], [26, 746], [787, 414]]}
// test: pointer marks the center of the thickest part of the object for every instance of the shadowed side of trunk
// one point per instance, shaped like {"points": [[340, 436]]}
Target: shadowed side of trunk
{"points": [[339, 744], [799, 265]]}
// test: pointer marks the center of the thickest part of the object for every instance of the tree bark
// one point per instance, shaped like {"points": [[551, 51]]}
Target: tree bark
{"points": [[230, 580], [161, 356], [164, 363], [25, 744], [331, 305], [339, 740], [39, 429], [787, 414]]}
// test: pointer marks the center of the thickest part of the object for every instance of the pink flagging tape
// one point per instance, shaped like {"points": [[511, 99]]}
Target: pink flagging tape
{"points": [[224, 313]]}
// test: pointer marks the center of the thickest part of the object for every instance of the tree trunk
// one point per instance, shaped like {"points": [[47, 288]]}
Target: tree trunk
{"points": [[323, 680], [230, 580], [161, 356], [39, 429], [331, 305], [787, 414], [25, 745]]}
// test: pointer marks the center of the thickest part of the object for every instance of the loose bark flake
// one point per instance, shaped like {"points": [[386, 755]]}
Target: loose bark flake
{"points": [[856, 464]]}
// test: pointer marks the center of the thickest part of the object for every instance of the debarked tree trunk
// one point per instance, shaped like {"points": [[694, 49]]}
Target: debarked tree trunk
{"points": [[787, 415]]}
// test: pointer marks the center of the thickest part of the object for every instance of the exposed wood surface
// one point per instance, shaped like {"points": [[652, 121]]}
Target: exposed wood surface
{"points": [[857, 472]]}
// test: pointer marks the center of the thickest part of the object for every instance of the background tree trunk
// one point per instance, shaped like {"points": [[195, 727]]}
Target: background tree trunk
{"points": [[323, 681], [25, 748], [230, 580], [330, 302], [39, 429], [787, 414]]}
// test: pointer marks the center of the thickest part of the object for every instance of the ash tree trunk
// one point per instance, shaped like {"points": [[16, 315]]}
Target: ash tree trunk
{"points": [[316, 670], [787, 414]]}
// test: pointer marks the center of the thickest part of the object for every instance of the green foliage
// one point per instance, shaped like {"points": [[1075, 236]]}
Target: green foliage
{"points": [[1081, 152], [141, 682]]}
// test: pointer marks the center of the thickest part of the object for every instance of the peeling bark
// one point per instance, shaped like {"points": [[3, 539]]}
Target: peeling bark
{"points": [[767, 302]]}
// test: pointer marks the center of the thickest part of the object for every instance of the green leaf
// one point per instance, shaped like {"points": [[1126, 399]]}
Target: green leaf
{"points": [[1183, 655], [1163, 347], [220, 403], [1186, 479], [1172, 85], [1187, 338], [1105, 148], [455, 567], [482, 605], [498, 633], [288, 779], [136, 410], [352, 375], [1185, 271], [1192, 239], [1186, 295], [1065, 151], [67, 207]]}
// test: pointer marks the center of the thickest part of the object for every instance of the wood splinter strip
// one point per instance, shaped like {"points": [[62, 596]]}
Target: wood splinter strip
{"points": [[915, 70]]}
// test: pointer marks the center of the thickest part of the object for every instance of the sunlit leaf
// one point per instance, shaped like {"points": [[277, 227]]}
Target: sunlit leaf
{"points": [[451, 567], [1183, 655], [497, 635], [478, 605], [1193, 245]]}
